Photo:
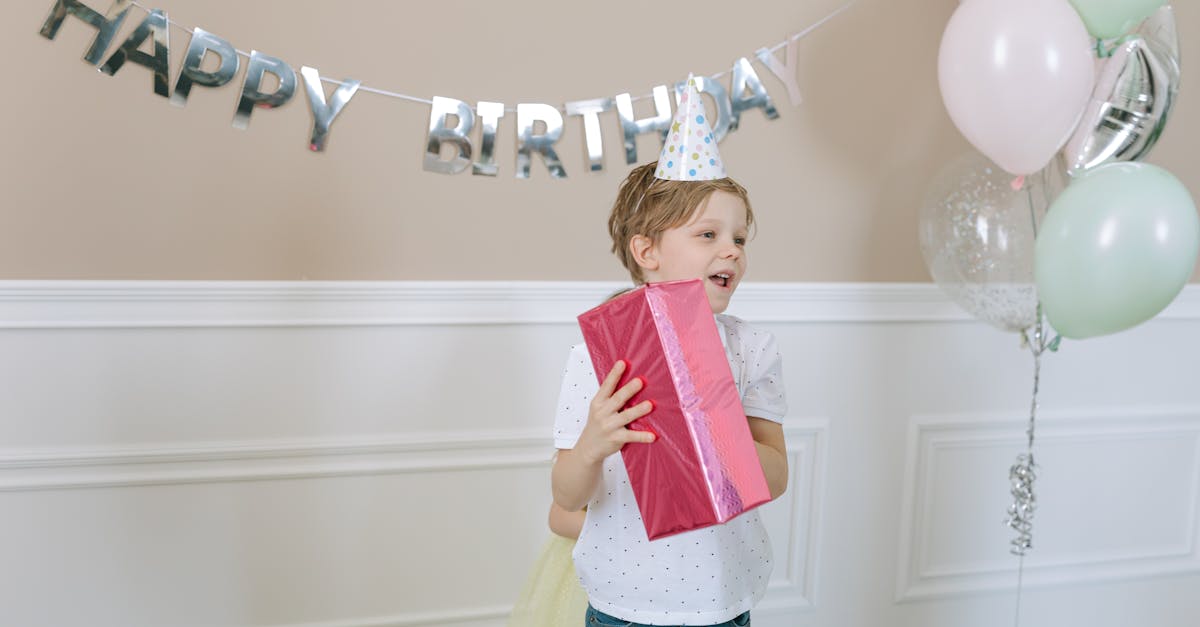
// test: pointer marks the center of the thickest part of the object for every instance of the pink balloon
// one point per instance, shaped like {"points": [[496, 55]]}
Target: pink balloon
{"points": [[1015, 76]]}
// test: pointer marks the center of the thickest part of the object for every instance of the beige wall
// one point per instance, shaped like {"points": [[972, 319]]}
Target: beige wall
{"points": [[102, 179]]}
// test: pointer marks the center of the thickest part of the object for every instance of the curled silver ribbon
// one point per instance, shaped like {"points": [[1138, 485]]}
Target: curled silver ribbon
{"points": [[1022, 474], [1020, 514]]}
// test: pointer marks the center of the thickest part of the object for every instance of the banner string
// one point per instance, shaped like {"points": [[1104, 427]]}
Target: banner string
{"points": [[391, 94]]}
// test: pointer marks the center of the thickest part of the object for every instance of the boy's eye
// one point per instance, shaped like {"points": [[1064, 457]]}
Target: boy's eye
{"points": [[708, 234], [740, 241]]}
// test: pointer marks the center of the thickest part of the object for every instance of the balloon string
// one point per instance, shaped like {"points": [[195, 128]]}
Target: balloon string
{"points": [[1023, 472], [1020, 572], [1033, 222], [1106, 47]]}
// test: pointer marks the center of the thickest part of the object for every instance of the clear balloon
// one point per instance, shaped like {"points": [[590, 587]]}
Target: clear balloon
{"points": [[1115, 249], [1132, 99], [1106, 19], [978, 231], [1015, 76]]}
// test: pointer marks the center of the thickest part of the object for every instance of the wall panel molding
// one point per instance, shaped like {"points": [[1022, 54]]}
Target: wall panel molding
{"points": [[168, 464], [807, 453], [933, 439], [151, 304]]}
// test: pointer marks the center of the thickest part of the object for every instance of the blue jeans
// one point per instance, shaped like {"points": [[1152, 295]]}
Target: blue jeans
{"points": [[596, 618]]}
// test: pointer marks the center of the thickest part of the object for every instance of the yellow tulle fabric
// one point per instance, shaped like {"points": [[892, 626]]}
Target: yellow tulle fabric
{"points": [[552, 596]]}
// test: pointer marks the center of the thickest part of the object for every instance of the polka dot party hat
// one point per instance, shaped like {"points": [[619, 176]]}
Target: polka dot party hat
{"points": [[690, 152]]}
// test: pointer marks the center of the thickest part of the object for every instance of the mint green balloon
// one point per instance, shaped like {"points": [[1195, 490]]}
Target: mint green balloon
{"points": [[1106, 19], [1116, 247]]}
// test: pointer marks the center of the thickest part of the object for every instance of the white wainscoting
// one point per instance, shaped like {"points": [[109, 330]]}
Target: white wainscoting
{"points": [[377, 454], [1114, 473]]}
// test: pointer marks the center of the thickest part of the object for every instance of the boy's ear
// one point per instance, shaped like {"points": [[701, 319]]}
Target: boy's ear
{"points": [[645, 253]]}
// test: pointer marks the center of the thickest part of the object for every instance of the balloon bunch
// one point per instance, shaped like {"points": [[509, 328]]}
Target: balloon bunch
{"points": [[1055, 215], [1052, 92]]}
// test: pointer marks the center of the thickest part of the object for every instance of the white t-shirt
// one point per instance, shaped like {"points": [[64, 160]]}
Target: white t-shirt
{"points": [[700, 577]]}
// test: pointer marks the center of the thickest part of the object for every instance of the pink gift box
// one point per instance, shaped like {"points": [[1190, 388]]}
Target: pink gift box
{"points": [[703, 468]]}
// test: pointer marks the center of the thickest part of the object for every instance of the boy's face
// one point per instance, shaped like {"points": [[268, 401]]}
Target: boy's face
{"points": [[711, 247]]}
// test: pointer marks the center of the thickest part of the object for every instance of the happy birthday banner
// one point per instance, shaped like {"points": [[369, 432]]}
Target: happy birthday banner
{"points": [[451, 121]]}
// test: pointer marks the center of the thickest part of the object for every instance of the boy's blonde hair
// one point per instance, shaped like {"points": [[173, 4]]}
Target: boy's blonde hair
{"points": [[648, 206]]}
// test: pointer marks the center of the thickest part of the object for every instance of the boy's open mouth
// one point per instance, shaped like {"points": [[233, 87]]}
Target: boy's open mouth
{"points": [[721, 279]]}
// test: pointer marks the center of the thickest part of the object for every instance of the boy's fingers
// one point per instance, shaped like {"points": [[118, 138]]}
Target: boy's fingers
{"points": [[610, 381], [627, 391], [641, 437], [637, 411]]}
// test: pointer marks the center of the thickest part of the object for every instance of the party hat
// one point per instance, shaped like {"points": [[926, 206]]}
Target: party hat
{"points": [[690, 152]]}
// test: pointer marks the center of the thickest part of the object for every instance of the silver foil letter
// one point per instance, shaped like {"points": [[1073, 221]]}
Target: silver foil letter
{"points": [[458, 136], [706, 85], [744, 78], [631, 128], [324, 114], [785, 72], [252, 84], [105, 25], [528, 115], [590, 110], [155, 24], [202, 42], [489, 118]]}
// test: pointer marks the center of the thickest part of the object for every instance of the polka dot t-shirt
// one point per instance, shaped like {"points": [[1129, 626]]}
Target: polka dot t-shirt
{"points": [[698, 577]]}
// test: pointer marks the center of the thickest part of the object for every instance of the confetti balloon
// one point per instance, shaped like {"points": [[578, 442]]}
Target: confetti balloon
{"points": [[978, 230]]}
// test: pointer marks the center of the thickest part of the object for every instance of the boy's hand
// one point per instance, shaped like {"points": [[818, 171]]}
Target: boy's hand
{"points": [[606, 432]]}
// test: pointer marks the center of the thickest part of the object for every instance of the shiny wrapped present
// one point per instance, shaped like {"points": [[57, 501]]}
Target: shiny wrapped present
{"points": [[703, 468]]}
